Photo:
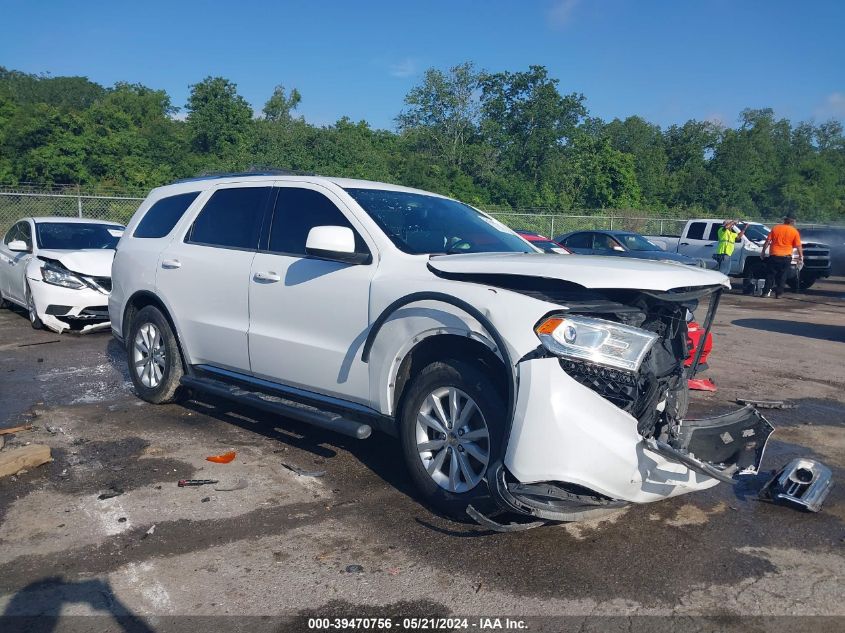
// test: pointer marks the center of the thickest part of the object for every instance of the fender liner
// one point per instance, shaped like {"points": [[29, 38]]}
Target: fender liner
{"points": [[495, 471]]}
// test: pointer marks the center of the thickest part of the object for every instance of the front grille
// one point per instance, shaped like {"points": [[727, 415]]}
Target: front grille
{"points": [[103, 282], [816, 257], [619, 387]]}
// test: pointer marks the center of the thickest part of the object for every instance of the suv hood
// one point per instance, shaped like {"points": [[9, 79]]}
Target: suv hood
{"points": [[95, 262], [589, 271]]}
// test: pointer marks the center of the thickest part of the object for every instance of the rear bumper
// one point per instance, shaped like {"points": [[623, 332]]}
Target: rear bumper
{"points": [[565, 433]]}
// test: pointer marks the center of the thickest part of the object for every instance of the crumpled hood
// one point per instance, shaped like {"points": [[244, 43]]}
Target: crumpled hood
{"points": [[95, 262], [590, 271]]}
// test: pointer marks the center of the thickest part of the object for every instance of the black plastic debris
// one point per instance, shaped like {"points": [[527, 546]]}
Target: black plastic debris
{"points": [[803, 484], [354, 569], [111, 492]]}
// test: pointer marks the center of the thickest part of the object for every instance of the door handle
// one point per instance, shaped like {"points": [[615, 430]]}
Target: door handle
{"points": [[268, 277], [684, 243], [171, 263]]}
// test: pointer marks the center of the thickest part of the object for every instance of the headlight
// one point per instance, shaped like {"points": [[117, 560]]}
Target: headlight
{"points": [[596, 340], [59, 277]]}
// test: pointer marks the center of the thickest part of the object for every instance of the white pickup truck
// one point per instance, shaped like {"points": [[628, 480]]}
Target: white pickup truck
{"points": [[699, 239]]}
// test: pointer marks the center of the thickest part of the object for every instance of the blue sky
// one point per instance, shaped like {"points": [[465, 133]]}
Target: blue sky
{"points": [[665, 60]]}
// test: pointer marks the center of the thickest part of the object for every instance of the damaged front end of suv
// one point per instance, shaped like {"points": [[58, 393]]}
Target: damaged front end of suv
{"points": [[600, 410]]}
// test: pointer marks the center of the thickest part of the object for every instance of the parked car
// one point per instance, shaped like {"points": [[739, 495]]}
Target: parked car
{"points": [[699, 239], [622, 244], [552, 387], [59, 269], [544, 243]]}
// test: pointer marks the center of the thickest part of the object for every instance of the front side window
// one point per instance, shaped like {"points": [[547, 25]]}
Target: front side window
{"points": [[297, 212], [74, 236], [160, 218], [231, 218], [634, 242], [420, 224]]}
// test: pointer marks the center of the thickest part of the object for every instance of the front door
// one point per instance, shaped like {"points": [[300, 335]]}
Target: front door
{"points": [[205, 275], [309, 316], [13, 264]]}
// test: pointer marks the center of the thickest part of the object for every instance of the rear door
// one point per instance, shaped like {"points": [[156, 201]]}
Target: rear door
{"points": [[581, 243], [309, 316], [697, 242], [204, 273]]}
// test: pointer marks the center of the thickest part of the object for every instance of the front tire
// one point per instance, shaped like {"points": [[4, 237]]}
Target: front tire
{"points": [[451, 428], [155, 362], [32, 311]]}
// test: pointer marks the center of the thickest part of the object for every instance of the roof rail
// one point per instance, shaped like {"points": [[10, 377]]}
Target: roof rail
{"points": [[252, 171]]}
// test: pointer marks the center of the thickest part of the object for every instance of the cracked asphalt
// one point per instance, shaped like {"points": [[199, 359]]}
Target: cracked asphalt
{"points": [[282, 545]]}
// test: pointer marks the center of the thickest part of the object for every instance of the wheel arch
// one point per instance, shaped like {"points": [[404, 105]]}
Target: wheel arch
{"points": [[140, 300], [440, 345]]}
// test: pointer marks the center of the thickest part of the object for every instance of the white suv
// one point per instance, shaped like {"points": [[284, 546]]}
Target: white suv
{"points": [[515, 380]]}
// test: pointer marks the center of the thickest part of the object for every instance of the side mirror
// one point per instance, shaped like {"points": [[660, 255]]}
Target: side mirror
{"points": [[18, 246], [336, 243]]}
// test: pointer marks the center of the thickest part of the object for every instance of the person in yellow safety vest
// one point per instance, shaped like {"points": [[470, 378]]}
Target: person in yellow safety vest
{"points": [[725, 248]]}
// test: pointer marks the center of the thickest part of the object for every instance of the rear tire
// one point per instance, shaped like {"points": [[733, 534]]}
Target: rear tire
{"points": [[448, 447], [153, 356]]}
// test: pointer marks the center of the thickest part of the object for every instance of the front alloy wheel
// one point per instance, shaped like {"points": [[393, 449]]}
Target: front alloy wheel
{"points": [[453, 441], [34, 320], [149, 357]]}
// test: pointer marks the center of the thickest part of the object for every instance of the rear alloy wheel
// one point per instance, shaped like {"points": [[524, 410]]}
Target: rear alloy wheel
{"points": [[34, 320], [451, 428], [155, 362]]}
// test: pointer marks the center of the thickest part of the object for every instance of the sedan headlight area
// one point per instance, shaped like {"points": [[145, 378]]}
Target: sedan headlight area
{"points": [[596, 340], [58, 277]]}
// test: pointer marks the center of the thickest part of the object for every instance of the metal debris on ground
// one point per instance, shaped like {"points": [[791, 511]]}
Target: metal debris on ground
{"points": [[240, 484], [802, 483], [767, 404], [195, 482], [223, 458], [302, 472], [114, 491]]}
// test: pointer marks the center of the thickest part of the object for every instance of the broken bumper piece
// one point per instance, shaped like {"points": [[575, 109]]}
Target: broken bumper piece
{"points": [[719, 447], [803, 483]]}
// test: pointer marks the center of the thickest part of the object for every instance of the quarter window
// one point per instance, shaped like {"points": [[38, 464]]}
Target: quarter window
{"points": [[160, 218], [297, 212], [231, 218]]}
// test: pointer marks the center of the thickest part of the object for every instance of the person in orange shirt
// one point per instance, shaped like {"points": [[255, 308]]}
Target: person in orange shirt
{"points": [[779, 244]]}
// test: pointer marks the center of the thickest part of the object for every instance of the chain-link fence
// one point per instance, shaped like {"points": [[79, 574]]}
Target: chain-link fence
{"points": [[18, 204], [103, 204]]}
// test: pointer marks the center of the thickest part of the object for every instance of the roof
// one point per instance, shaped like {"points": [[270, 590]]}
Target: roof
{"points": [[205, 182], [59, 218]]}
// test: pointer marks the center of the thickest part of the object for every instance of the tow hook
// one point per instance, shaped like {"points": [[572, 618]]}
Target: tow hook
{"points": [[802, 483]]}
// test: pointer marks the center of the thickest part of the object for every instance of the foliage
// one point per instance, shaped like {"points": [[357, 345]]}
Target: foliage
{"points": [[505, 138]]}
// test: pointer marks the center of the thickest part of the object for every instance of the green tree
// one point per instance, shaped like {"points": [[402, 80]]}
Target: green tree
{"points": [[280, 105], [219, 120]]}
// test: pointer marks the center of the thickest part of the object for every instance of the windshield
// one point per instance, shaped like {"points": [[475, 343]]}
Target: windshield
{"points": [[754, 232], [420, 224], [634, 242], [77, 235]]}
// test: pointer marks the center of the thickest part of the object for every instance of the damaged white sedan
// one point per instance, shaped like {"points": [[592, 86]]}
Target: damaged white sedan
{"points": [[552, 387], [59, 270]]}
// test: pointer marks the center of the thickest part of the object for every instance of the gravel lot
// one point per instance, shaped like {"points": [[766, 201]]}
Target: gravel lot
{"points": [[283, 544]]}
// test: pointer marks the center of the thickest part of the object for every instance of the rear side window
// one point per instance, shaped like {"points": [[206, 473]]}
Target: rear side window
{"points": [[581, 240], [297, 212], [696, 231], [160, 219], [231, 218]]}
